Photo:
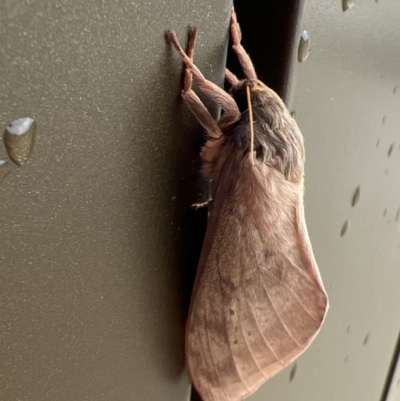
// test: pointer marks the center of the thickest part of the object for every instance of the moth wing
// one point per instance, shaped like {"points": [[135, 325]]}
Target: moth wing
{"points": [[258, 299]]}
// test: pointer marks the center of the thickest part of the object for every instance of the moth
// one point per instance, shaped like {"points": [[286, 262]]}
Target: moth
{"points": [[258, 300]]}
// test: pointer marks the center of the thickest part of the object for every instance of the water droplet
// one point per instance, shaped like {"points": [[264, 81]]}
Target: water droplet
{"points": [[384, 119], [398, 214], [18, 138], [377, 143], [348, 329], [385, 211], [346, 4], [304, 47], [395, 89], [293, 114], [5, 169], [293, 372], [366, 339], [345, 227], [346, 359], [387, 171], [356, 196], [390, 149]]}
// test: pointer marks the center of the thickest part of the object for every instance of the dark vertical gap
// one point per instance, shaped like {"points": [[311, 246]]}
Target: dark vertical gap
{"points": [[194, 228], [391, 372], [195, 395], [270, 35]]}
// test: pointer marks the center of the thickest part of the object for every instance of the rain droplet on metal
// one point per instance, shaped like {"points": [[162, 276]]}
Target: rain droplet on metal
{"points": [[366, 339], [377, 143], [5, 169], [293, 372], [395, 89], [398, 214], [385, 211], [345, 227], [356, 196], [390, 150], [384, 119], [346, 4], [18, 138], [304, 47]]}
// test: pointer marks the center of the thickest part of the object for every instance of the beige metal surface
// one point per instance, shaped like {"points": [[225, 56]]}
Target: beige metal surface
{"points": [[347, 102], [93, 225]]}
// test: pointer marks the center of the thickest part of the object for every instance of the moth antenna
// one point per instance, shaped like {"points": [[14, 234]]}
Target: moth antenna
{"points": [[262, 83], [248, 93]]}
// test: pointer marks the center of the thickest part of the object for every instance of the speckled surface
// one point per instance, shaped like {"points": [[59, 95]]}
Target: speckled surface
{"points": [[346, 96], [96, 231], [93, 225]]}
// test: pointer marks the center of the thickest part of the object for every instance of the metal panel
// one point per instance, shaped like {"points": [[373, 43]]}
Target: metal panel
{"points": [[95, 233], [94, 226], [346, 99]]}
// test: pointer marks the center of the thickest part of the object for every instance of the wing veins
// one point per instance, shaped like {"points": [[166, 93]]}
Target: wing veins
{"points": [[247, 343], [306, 276], [230, 348], [280, 317], [252, 354], [263, 337], [212, 359], [304, 308]]}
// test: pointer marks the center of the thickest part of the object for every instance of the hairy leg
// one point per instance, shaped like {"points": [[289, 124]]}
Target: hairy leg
{"points": [[213, 91], [241, 54], [231, 77]]}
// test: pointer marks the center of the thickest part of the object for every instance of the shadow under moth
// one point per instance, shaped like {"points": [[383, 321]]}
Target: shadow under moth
{"points": [[258, 300]]}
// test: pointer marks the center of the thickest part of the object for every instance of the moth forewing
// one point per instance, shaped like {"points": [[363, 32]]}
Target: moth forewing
{"points": [[258, 299]]}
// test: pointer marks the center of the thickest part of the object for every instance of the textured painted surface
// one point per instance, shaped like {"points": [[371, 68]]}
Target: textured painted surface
{"points": [[393, 393], [93, 225], [347, 101]]}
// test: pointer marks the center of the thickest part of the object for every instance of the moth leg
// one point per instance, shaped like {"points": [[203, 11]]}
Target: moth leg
{"points": [[188, 80], [201, 205], [244, 58], [193, 102], [231, 77], [213, 91]]}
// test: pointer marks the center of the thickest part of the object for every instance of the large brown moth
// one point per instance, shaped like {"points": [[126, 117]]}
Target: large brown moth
{"points": [[258, 300]]}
